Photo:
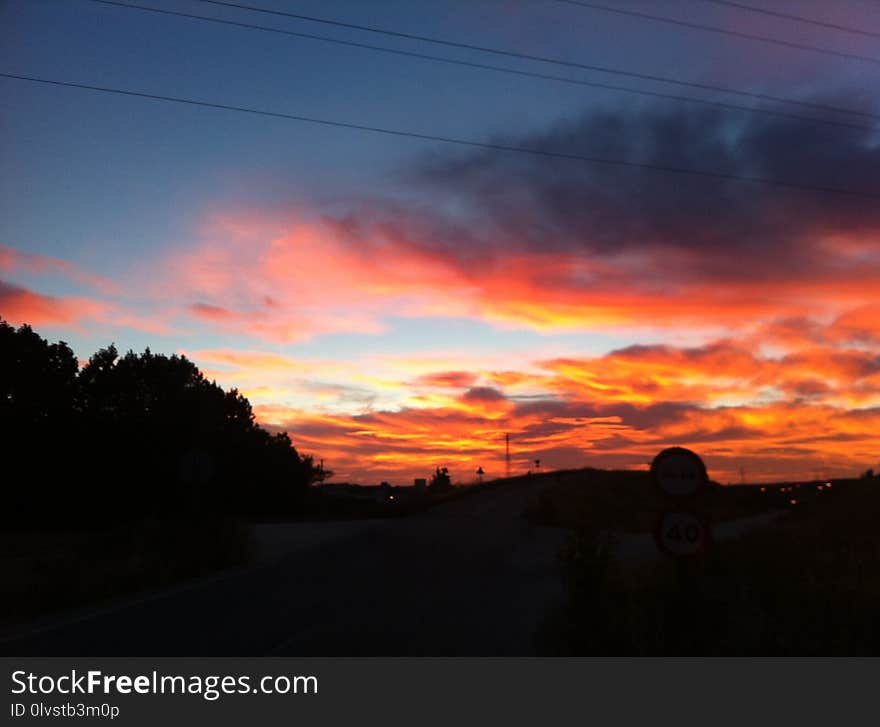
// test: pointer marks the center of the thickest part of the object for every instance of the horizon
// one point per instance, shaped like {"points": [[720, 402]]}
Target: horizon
{"points": [[400, 304]]}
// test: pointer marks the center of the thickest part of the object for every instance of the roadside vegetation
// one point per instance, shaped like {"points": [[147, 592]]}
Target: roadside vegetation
{"points": [[808, 585]]}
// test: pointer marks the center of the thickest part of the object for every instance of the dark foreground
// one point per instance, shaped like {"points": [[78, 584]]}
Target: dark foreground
{"points": [[470, 577], [475, 577]]}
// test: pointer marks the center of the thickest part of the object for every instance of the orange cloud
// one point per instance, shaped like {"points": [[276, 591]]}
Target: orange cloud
{"points": [[447, 379], [786, 384], [252, 361], [774, 442], [12, 261], [322, 277], [21, 306], [861, 324], [211, 312], [792, 389], [814, 413]]}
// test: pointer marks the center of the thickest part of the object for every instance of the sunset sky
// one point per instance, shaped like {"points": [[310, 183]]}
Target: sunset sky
{"points": [[398, 304]]}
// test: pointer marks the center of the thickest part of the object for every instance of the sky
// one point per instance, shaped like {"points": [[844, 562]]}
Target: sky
{"points": [[398, 304]]}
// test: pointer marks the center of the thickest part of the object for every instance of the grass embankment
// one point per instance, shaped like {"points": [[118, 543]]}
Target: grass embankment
{"points": [[46, 572], [810, 585]]}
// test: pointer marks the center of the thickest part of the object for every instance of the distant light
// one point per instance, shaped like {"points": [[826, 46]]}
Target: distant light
{"points": [[793, 502], [763, 489], [391, 497], [827, 484]]}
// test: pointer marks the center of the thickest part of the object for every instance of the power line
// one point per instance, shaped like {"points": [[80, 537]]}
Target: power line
{"points": [[544, 59], [798, 18], [484, 66], [721, 31], [452, 140]]}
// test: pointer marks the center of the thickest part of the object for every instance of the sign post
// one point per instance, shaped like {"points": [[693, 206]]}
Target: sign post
{"points": [[682, 534], [681, 475]]}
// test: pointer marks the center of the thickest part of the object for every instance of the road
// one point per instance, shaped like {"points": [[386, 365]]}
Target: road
{"points": [[467, 578], [470, 577]]}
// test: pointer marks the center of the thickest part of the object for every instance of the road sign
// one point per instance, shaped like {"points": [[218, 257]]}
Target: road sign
{"points": [[682, 534], [678, 472]]}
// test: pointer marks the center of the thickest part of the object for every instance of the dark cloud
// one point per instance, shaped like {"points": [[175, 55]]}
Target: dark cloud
{"points": [[806, 388], [579, 414], [483, 393], [494, 202]]}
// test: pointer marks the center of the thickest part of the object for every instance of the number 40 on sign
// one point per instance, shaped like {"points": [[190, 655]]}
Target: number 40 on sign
{"points": [[681, 534]]}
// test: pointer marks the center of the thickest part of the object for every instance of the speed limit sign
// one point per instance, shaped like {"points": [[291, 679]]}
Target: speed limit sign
{"points": [[679, 472], [682, 534]]}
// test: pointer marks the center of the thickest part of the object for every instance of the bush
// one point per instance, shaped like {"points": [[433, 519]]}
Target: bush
{"points": [[440, 480]]}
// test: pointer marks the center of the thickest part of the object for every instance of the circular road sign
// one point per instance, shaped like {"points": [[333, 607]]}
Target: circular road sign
{"points": [[678, 472], [682, 534]]}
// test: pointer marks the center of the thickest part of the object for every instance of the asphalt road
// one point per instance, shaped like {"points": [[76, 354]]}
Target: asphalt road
{"points": [[470, 577]]}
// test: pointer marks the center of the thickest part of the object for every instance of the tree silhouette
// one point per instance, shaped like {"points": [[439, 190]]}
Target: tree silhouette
{"points": [[38, 420], [134, 436], [440, 480]]}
